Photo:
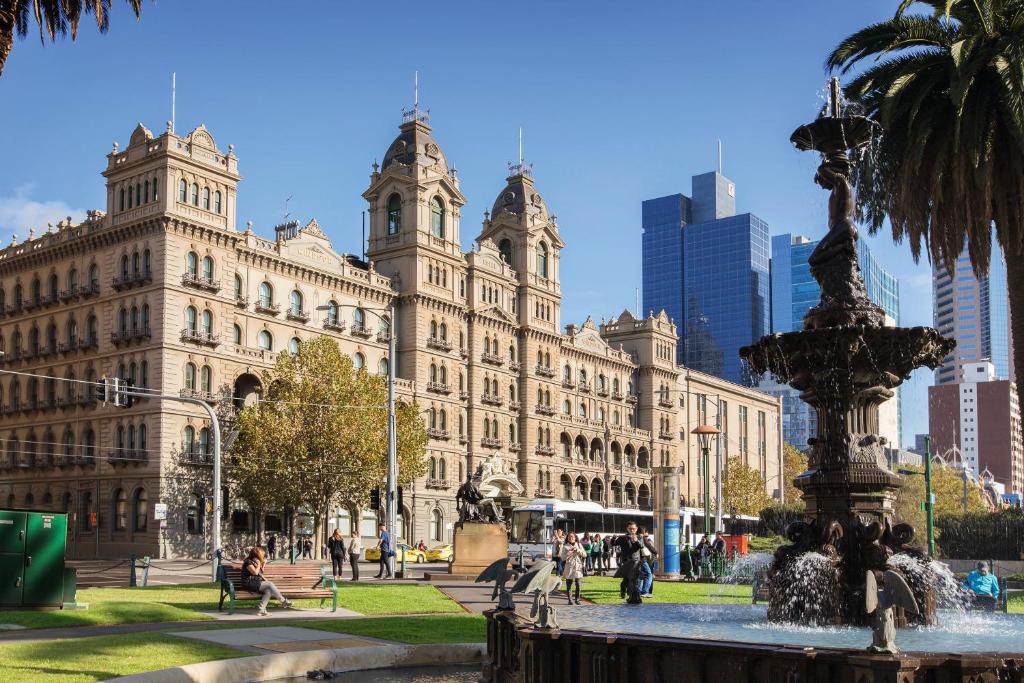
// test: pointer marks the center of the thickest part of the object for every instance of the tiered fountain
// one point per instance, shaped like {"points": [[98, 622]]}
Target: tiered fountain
{"points": [[846, 363]]}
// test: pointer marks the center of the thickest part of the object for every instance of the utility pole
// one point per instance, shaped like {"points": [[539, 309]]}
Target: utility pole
{"points": [[392, 480], [929, 503], [718, 458]]}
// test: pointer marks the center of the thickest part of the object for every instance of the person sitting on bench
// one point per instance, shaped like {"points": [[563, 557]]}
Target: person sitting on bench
{"points": [[983, 587], [254, 582]]}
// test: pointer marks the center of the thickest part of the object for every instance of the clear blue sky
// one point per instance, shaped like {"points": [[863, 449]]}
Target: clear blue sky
{"points": [[618, 103]]}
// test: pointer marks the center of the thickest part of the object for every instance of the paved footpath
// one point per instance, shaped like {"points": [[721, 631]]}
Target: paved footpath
{"points": [[476, 597]]}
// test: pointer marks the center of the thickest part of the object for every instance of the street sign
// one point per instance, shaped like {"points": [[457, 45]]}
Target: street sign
{"points": [[160, 511]]}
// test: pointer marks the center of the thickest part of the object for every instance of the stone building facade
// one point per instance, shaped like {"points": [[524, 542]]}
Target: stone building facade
{"points": [[164, 289]]}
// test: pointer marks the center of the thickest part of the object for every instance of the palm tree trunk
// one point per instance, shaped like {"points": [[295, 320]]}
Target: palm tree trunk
{"points": [[6, 31], [1015, 285]]}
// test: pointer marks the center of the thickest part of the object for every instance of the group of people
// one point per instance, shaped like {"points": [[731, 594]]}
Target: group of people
{"points": [[577, 557]]}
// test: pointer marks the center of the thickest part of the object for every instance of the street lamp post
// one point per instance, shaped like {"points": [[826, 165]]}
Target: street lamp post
{"points": [[929, 503], [704, 433]]}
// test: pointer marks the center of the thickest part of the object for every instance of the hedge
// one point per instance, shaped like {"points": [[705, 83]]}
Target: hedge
{"points": [[775, 519], [982, 535]]}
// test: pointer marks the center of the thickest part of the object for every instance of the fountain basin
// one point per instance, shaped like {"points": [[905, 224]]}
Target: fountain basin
{"points": [[724, 643]]}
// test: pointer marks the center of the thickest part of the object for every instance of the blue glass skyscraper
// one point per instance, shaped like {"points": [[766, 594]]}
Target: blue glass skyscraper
{"points": [[708, 268]]}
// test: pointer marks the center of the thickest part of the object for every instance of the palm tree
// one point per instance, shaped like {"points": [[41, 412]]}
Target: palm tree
{"points": [[54, 17], [948, 88]]}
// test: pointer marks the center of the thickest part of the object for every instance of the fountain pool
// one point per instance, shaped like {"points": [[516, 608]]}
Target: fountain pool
{"points": [[956, 632]]}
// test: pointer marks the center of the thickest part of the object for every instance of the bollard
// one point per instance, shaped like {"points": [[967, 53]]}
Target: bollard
{"points": [[131, 576], [145, 571], [403, 564], [291, 554], [521, 558]]}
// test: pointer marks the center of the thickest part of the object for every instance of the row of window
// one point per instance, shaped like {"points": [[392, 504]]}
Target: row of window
{"points": [[128, 510], [437, 215], [185, 191], [138, 194], [49, 343], [71, 388], [581, 489], [35, 297], [34, 452]]}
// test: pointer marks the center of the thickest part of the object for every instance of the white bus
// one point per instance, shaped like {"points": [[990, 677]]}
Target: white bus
{"points": [[534, 524]]}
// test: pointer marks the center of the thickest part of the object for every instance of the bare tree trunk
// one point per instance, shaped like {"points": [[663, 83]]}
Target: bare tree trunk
{"points": [[1015, 285], [6, 32]]}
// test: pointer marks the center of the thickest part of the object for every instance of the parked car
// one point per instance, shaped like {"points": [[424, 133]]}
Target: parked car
{"points": [[440, 553], [403, 549]]}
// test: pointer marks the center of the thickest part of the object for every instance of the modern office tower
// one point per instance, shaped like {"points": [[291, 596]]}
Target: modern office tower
{"points": [[794, 293], [708, 268], [977, 421], [974, 311]]}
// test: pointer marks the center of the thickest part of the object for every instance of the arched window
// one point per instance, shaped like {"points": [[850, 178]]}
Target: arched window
{"points": [[135, 263], [566, 407], [143, 373], [145, 191], [182, 190], [384, 330], [73, 280], [207, 322], [217, 202], [135, 319], [72, 332], [207, 267], [188, 440], [190, 376], [358, 361], [443, 330], [332, 313], [192, 263], [94, 275], [265, 341], [120, 510], [206, 198], [433, 329], [156, 194], [295, 302], [358, 319], [542, 259], [204, 441], [583, 409], [140, 510], [437, 217], [505, 249], [382, 367], [293, 345], [266, 295], [195, 194], [236, 334], [239, 289], [145, 318], [120, 204], [394, 214], [436, 525], [443, 419], [206, 379], [191, 318]]}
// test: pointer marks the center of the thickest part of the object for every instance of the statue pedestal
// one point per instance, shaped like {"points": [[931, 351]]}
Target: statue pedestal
{"points": [[476, 545]]}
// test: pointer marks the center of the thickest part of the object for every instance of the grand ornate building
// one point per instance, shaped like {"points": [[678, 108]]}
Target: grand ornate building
{"points": [[164, 289]]}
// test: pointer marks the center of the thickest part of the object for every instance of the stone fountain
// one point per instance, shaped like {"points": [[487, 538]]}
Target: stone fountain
{"points": [[846, 363]]}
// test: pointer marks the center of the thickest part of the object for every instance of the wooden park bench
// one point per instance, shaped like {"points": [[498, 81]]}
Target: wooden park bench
{"points": [[304, 580]]}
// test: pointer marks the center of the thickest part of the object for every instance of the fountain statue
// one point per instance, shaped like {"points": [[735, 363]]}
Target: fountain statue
{"points": [[846, 362]]}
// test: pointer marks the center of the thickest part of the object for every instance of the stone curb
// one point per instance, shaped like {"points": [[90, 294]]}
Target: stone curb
{"points": [[268, 667]]}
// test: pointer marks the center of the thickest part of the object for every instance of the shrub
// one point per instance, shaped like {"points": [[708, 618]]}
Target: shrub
{"points": [[775, 519]]}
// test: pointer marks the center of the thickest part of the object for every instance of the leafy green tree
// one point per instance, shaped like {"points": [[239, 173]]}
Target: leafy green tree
{"points": [[794, 462], [319, 437], [54, 17], [948, 487], [743, 489], [948, 88]]}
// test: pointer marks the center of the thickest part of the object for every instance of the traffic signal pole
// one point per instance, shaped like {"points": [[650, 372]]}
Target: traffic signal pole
{"points": [[215, 434], [392, 480], [929, 496]]}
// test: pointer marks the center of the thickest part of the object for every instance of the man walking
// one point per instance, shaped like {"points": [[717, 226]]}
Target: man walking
{"points": [[384, 545], [631, 564]]}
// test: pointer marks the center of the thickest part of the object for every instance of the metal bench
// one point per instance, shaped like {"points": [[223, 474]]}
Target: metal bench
{"points": [[293, 580]]}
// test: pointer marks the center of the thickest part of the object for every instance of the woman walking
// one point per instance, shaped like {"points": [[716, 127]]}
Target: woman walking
{"points": [[355, 550], [336, 549], [573, 559], [253, 580]]}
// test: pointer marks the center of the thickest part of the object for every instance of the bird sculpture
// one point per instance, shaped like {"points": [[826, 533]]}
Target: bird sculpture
{"points": [[879, 602], [540, 581], [500, 574]]}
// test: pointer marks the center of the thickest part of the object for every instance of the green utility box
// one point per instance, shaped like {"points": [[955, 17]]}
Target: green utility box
{"points": [[32, 547]]}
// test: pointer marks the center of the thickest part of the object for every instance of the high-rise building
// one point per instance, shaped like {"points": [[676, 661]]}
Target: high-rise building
{"points": [[708, 268], [975, 312], [163, 288], [977, 421], [794, 293]]}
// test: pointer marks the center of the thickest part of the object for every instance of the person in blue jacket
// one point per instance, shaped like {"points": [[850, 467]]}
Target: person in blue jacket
{"points": [[983, 587]]}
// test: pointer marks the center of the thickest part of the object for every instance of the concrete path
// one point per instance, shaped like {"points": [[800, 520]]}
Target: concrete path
{"points": [[476, 597], [279, 639]]}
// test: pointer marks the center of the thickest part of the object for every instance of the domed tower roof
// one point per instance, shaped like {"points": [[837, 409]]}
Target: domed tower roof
{"points": [[414, 145], [520, 196]]}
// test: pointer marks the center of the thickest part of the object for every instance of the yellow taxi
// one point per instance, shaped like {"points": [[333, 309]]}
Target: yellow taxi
{"points": [[402, 550], [440, 553]]}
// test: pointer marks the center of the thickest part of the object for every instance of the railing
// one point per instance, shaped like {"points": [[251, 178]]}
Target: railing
{"points": [[490, 443], [241, 301], [297, 314], [492, 358], [568, 383], [514, 447], [200, 337], [130, 280], [463, 395], [544, 450], [334, 325], [200, 282], [665, 402], [267, 308], [360, 331], [439, 388], [438, 483], [383, 337], [435, 433], [584, 386], [439, 344], [197, 456], [602, 391], [124, 456], [207, 396], [542, 371], [544, 493], [542, 409], [514, 405], [118, 338], [666, 436], [631, 399], [617, 395], [514, 366], [491, 399], [463, 439]]}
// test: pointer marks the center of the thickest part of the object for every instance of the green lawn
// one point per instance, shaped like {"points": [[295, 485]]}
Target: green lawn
{"points": [[102, 657], [604, 590], [187, 603], [449, 628]]}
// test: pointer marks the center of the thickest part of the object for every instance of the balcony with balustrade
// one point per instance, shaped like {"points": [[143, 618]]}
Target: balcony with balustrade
{"points": [[439, 434], [488, 442], [514, 366], [544, 450], [441, 484], [439, 388], [335, 325], [584, 387], [201, 337], [297, 315], [129, 280], [542, 409], [119, 337], [492, 400], [439, 344], [203, 282], [265, 307], [514, 405], [360, 331], [492, 358], [207, 396]]}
